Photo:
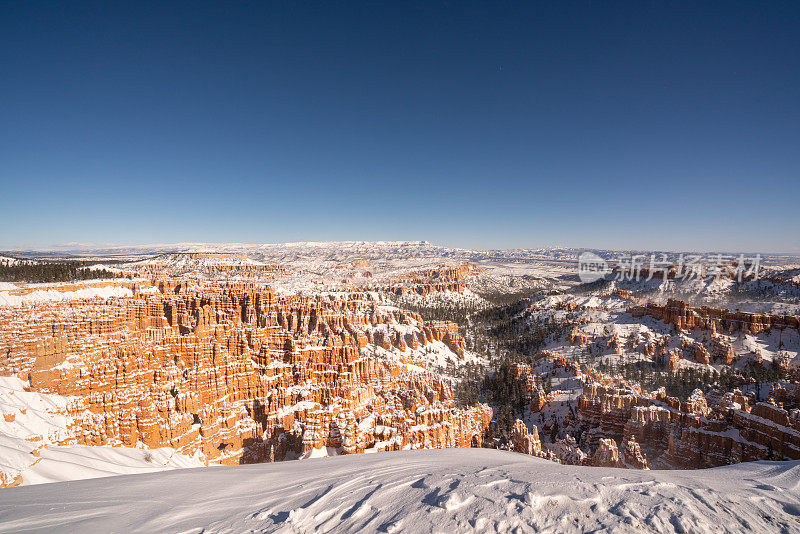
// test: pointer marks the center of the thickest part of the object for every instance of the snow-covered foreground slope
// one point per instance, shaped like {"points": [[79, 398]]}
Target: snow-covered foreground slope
{"points": [[421, 491], [32, 426]]}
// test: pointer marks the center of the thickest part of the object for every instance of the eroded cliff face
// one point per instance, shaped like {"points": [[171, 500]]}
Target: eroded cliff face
{"points": [[428, 281], [665, 433], [619, 425], [686, 317], [239, 374]]}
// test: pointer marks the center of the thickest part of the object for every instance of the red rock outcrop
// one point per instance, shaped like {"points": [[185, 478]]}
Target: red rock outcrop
{"points": [[525, 441], [577, 337], [428, 281], [686, 434], [686, 317], [607, 454], [721, 350], [568, 452], [238, 373], [632, 456]]}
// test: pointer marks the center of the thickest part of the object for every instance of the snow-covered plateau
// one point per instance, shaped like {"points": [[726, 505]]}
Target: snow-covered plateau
{"points": [[18, 295], [460, 490]]}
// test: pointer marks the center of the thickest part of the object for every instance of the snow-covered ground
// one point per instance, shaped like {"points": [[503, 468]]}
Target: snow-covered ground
{"points": [[311, 266], [603, 316], [78, 462], [454, 490], [10, 293], [32, 425], [444, 299], [436, 354]]}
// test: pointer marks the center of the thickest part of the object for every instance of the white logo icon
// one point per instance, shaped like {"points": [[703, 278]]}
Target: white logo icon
{"points": [[591, 267]]}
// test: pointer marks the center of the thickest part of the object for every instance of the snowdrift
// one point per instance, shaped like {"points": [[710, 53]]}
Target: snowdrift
{"points": [[456, 490]]}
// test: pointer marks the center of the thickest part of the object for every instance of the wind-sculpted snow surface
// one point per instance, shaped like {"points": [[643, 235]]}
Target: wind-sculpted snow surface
{"points": [[419, 491]]}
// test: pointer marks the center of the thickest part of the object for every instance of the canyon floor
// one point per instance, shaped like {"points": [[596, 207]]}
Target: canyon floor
{"points": [[451, 490]]}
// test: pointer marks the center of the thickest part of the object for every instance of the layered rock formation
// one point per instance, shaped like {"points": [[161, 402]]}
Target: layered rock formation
{"points": [[606, 454], [525, 441], [667, 433], [239, 374], [686, 317], [531, 384], [427, 281], [202, 263]]}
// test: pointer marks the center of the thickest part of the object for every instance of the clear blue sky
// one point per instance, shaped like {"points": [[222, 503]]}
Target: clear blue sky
{"points": [[607, 124]]}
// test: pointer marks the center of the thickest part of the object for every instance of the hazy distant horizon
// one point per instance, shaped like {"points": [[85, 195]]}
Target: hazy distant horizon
{"points": [[187, 246]]}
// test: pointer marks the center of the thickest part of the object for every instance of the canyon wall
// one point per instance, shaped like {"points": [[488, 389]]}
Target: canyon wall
{"points": [[691, 434], [238, 374], [686, 317]]}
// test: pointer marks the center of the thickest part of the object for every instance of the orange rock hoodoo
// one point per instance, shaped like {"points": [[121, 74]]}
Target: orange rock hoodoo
{"points": [[686, 317], [667, 433], [428, 281], [238, 373]]}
